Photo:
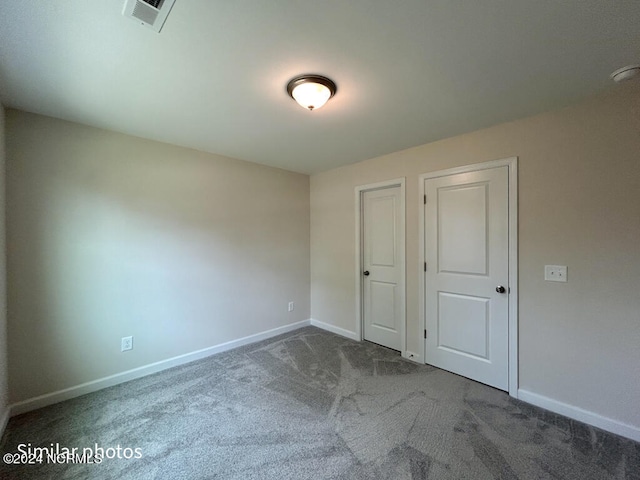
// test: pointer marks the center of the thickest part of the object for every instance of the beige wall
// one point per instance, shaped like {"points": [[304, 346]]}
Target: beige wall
{"points": [[4, 372], [111, 235], [579, 205]]}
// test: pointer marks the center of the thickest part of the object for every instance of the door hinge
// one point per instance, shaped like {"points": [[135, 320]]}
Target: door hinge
{"points": [[425, 333], [425, 266], [425, 199]]}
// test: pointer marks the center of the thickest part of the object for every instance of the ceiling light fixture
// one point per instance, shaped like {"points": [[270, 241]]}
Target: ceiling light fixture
{"points": [[625, 73], [311, 91]]}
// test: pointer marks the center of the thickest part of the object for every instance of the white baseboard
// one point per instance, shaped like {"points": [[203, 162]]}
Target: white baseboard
{"points": [[95, 385], [4, 419], [414, 357], [333, 329], [605, 423]]}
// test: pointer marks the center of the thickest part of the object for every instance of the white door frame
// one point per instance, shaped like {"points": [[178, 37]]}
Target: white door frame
{"points": [[359, 190], [512, 164]]}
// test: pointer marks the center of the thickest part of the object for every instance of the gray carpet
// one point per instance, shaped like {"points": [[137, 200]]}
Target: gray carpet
{"points": [[312, 405]]}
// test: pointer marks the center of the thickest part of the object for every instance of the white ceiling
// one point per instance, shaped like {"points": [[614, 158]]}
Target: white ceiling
{"points": [[408, 72]]}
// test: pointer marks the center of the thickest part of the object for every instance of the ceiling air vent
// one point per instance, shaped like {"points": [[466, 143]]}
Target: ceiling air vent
{"points": [[150, 13]]}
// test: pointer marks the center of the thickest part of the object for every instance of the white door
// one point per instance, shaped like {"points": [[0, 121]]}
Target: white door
{"points": [[466, 289], [383, 266]]}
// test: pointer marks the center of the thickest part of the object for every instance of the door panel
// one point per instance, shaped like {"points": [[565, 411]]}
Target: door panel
{"points": [[462, 214], [383, 305], [463, 324], [381, 235], [383, 257], [466, 248]]}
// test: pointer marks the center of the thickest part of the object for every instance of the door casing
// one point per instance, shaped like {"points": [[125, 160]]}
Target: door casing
{"points": [[359, 190], [512, 164]]}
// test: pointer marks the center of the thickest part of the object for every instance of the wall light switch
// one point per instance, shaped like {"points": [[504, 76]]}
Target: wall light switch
{"points": [[291, 306], [555, 273]]}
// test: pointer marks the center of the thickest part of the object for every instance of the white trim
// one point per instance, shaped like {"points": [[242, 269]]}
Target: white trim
{"points": [[512, 164], [337, 330], [474, 167], [577, 413], [421, 276], [4, 419], [513, 276], [95, 385], [397, 182], [413, 356]]}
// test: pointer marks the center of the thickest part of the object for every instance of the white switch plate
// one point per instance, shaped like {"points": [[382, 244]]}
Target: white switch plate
{"points": [[555, 273], [291, 306]]}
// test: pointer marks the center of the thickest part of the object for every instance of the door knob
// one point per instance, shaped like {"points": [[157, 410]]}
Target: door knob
{"points": [[366, 273], [500, 289]]}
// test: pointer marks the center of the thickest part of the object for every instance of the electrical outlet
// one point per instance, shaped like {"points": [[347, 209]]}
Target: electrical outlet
{"points": [[555, 273], [291, 306], [126, 344]]}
